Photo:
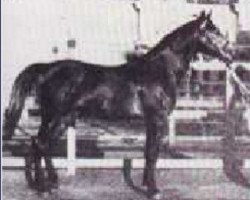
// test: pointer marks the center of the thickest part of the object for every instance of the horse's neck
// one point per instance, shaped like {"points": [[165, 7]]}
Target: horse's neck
{"points": [[184, 55], [175, 63], [177, 53]]}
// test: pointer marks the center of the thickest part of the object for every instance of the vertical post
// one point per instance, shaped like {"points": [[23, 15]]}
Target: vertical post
{"points": [[71, 150], [233, 19], [229, 89], [137, 8], [246, 115], [172, 131], [244, 6]]}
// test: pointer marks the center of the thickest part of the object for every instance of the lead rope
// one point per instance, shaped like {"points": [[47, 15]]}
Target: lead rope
{"points": [[245, 92], [243, 88], [233, 164]]}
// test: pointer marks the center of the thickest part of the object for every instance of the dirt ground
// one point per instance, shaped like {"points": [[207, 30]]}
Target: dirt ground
{"points": [[109, 185]]}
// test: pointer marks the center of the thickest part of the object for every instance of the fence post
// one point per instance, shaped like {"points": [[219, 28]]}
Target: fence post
{"points": [[172, 131], [71, 150], [229, 89]]}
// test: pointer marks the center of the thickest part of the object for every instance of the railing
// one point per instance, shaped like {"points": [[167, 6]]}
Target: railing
{"points": [[71, 163]]}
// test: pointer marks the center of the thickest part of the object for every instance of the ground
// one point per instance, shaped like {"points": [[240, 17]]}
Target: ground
{"points": [[209, 184]]}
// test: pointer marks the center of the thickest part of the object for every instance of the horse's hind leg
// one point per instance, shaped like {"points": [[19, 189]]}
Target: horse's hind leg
{"points": [[52, 175], [29, 162], [39, 174], [39, 149], [34, 158], [46, 142], [55, 131], [56, 128]]}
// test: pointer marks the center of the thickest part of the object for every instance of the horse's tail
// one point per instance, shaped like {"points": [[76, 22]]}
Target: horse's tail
{"points": [[24, 84]]}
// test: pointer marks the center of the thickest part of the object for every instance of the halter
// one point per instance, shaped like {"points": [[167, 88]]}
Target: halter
{"points": [[218, 42]]}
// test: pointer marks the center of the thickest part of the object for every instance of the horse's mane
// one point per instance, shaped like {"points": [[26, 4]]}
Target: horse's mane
{"points": [[168, 40]]}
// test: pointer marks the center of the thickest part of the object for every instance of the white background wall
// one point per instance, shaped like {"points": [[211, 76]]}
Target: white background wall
{"points": [[103, 29]]}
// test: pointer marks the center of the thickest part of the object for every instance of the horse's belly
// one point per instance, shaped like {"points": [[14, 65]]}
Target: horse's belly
{"points": [[108, 106], [127, 107]]}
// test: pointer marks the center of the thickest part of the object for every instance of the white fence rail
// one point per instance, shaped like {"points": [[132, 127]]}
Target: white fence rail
{"points": [[71, 163]]}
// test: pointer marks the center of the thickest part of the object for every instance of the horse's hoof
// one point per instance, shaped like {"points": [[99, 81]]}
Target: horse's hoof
{"points": [[53, 185], [144, 188], [154, 194], [41, 189], [43, 186], [53, 190], [46, 195], [157, 196]]}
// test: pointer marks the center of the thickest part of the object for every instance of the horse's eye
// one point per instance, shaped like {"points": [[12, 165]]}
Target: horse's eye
{"points": [[217, 31], [213, 28]]}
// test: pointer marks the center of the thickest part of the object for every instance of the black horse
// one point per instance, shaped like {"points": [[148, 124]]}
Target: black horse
{"points": [[64, 86]]}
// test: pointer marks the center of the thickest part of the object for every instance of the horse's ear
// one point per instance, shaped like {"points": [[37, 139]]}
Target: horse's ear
{"points": [[209, 14], [203, 14], [202, 19], [203, 25]]}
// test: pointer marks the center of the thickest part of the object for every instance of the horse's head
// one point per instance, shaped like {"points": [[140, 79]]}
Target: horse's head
{"points": [[210, 40]]}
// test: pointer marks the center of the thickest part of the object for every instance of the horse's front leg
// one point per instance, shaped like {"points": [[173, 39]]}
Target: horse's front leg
{"points": [[156, 107], [155, 127]]}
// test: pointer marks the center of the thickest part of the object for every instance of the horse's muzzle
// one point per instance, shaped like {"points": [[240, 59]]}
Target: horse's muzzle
{"points": [[228, 53]]}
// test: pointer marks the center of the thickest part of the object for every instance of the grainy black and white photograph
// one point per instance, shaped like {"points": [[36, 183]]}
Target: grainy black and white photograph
{"points": [[125, 99]]}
